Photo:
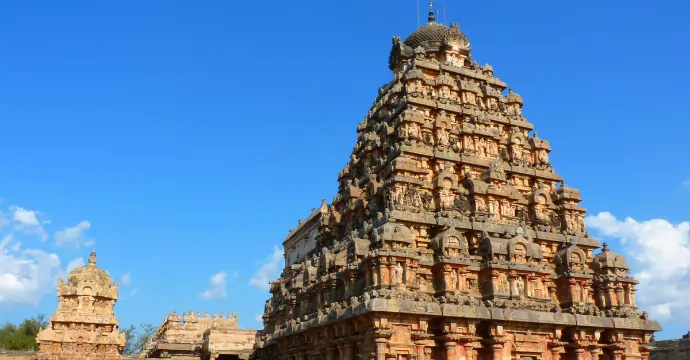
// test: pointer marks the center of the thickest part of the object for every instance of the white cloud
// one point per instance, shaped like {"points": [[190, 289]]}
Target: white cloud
{"points": [[75, 263], [27, 221], [24, 217], [4, 221], [26, 275], [686, 182], [125, 280], [657, 252], [260, 318], [218, 289], [74, 236], [269, 270]]}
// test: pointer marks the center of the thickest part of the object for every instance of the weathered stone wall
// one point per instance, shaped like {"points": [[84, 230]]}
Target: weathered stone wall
{"points": [[678, 349], [16, 355]]}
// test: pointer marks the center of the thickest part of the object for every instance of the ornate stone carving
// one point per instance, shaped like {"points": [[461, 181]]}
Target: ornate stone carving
{"points": [[84, 322], [461, 226]]}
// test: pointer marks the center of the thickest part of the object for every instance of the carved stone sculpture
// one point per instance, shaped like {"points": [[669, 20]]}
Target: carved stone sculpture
{"points": [[461, 245], [84, 324]]}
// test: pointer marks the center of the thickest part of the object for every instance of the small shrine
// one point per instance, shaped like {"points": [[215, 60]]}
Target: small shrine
{"points": [[84, 326]]}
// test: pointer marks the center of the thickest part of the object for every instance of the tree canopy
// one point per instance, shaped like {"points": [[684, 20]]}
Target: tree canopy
{"points": [[137, 338], [22, 336]]}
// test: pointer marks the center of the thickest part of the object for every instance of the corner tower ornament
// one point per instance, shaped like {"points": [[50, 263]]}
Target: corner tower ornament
{"points": [[449, 237], [84, 325]]}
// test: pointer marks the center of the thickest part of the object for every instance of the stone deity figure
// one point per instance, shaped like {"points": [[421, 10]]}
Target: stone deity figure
{"points": [[454, 280], [446, 198], [516, 152], [417, 199], [399, 273], [443, 137], [542, 157], [468, 143], [480, 203], [413, 131], [520, 286]]}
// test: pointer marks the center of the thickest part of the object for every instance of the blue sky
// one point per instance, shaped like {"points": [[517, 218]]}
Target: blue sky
{"points": [[183, 140]]}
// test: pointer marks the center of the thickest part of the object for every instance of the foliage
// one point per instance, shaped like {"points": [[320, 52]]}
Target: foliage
{"points": [[22, 336], [137, 338]]}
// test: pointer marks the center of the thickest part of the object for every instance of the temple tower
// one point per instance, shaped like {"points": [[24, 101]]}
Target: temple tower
{"points": [[84, 326], [451, 237]]}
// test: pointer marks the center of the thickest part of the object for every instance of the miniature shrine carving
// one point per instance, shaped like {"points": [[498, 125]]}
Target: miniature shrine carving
{"points": [[84, 325]]}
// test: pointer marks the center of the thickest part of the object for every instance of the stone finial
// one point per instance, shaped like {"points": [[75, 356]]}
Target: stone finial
{"points": [[432, 17], [92, 258], [605, 247]]}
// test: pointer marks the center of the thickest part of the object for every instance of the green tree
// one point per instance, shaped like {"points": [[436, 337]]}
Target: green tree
{"points": [[137, 338], [22, 336]]}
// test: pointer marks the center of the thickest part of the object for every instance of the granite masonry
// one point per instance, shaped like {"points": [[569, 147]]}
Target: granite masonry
{"points": [[451, 237]]}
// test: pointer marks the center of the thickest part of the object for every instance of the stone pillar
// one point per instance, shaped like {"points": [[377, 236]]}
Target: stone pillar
{"points": [[632, 296], [619, 296], [374, 276], [617, 354], [330, 353], [381, 348], [556, 352], [419, 349], [450, 346], [595, 352], [341, 352], [349, 351], [469, 351], [579, 353], [497, 351], [301, 355]]}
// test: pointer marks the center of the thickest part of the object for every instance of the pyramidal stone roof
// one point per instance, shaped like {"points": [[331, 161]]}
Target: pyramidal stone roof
{"points": [[84, 325], [449, 212]]}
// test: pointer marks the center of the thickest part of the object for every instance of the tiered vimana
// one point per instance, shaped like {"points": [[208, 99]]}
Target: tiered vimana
{"points": [[84, 326], [450, 236]]}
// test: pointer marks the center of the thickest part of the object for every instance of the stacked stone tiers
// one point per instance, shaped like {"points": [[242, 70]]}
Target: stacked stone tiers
{"points": [[451, 236]]}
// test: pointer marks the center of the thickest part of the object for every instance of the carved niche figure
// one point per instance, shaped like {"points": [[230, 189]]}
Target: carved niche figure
{"points": [[520, 253], [413, 130], [502, 286], [453, 279], [469, 97], [442, 136], [446, 198], [416, 86], [417, 199], [399, 273], [520, 286], [506, 208], [494, 208], [480, 204], [542, 157], [516, 153], [445, 93], [481, 146], [468, 143]]}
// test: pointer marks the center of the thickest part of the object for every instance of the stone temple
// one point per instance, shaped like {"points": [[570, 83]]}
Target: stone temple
{"points": [[451, 237], [84, 325]]}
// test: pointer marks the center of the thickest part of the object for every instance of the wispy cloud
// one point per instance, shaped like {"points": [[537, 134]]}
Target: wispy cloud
{"points": [[74, 236], [270, 269], [126, 279], [27, 275], [27, 221], [218, 287], [686, 182], [658, 252]]}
